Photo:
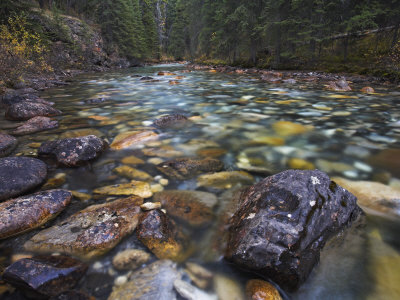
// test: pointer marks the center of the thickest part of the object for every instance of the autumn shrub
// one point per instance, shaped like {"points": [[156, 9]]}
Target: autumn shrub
{"points": [[22, 51]]}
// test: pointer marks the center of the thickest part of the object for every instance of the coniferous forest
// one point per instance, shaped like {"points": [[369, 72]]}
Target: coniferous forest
{"points": [[348, 35]]}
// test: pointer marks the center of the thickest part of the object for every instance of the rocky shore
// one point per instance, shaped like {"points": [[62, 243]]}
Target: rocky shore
{"points": [[274, 228]]}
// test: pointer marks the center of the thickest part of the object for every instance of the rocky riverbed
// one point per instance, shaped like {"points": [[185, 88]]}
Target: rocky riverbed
{"points": [[170, 182]]}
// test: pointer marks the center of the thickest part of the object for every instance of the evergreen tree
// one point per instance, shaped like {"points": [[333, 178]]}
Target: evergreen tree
{"points": [[148, 8]]}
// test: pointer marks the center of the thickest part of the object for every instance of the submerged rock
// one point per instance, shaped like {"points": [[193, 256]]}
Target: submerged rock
{"points": [[132, 138], [227, 288], [35, 124], [375, 197], [186, 168], [26, 213], [137, 188], [45, 275], [286, 128], [339, 86], [174, 120], [19, 175], [192, 207], [26, 110], [225, 180], [90, 232], [368, 90], [284, 221], [132, 173], [261, 290], [387, 159], [199, 275], [74, 151], [156, 281], [7, 144], [130, 259], [190, 292], [158, 233]]}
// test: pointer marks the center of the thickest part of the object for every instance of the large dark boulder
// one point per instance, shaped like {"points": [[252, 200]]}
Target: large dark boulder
{"points": [[74, 151], [46, 275], [284, 221], [7, 144], [26, 110], [19, 175]]}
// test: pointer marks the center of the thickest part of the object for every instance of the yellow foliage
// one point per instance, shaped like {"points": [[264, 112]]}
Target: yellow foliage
{"points": [[21, 50]]}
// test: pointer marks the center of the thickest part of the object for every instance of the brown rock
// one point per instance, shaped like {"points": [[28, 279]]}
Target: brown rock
{"points": [[35, 124], [90, 232], [158, 233], [225, 180], [367, 90], [130, 259], [131, 138], [188, 206], [44, 276], [26, 213], [186, 168], [257, 289], [339, 86], [387, 159], [173, 120], [138, 188]]}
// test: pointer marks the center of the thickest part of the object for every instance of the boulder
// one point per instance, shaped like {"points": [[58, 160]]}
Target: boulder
{"points": [[26, 110], [161, 236], [7, 144], [192, 207], [28, 212], [174, 120], [45, 275], [90, 232], [74, 151], [284, 221], [156, 281], [186, 168], [339, 86], [19, 175], [36, 124]]}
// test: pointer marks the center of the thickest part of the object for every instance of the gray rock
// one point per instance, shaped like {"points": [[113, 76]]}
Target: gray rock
{"points": [[284, 221], [19, 175], [7, 144], [74, 151], [46, 275], [27, 110], [28, 212], [174, 120], [36, 124]]}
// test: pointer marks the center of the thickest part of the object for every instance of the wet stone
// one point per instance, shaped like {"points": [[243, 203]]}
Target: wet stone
{"points": [[227, 288], [72, 295], [80, 133], [284, 221], [339, 86], [156, 281], [137, 188], [130, 259], [150, 206], [387, 159], [186, 168], [19, 175], [192, 207], [45, 275], [35, 124], [132, 138], [261, 290], [28, 212], [132, 160], [174, 120], [190, 292], [27, 110], [90, 232], [7, 144], [132, 173], [161, 236], [374, 197], [74, 151], [200, 276], [368, 90], [225, 180], [286, 128]]}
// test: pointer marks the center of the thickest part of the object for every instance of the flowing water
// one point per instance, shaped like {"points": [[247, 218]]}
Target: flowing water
{"points": [[239, 118]]}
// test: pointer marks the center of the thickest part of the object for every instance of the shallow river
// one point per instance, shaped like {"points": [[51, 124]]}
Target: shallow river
{"points": [[253, 126]]}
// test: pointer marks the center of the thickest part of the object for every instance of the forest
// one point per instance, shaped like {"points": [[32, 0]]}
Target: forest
{"points": [[348, 35]]}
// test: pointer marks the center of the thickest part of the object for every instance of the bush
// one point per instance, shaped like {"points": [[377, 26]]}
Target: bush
{"points": [[21, 51]]}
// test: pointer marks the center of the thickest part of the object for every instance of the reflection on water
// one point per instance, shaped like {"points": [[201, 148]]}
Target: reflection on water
{"points": [[253, 126]]}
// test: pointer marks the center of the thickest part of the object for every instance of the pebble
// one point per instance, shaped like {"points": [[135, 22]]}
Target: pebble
{"points": [[120, 280], [363, 167], [150, 206], [163, 181], [155, 160]]}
